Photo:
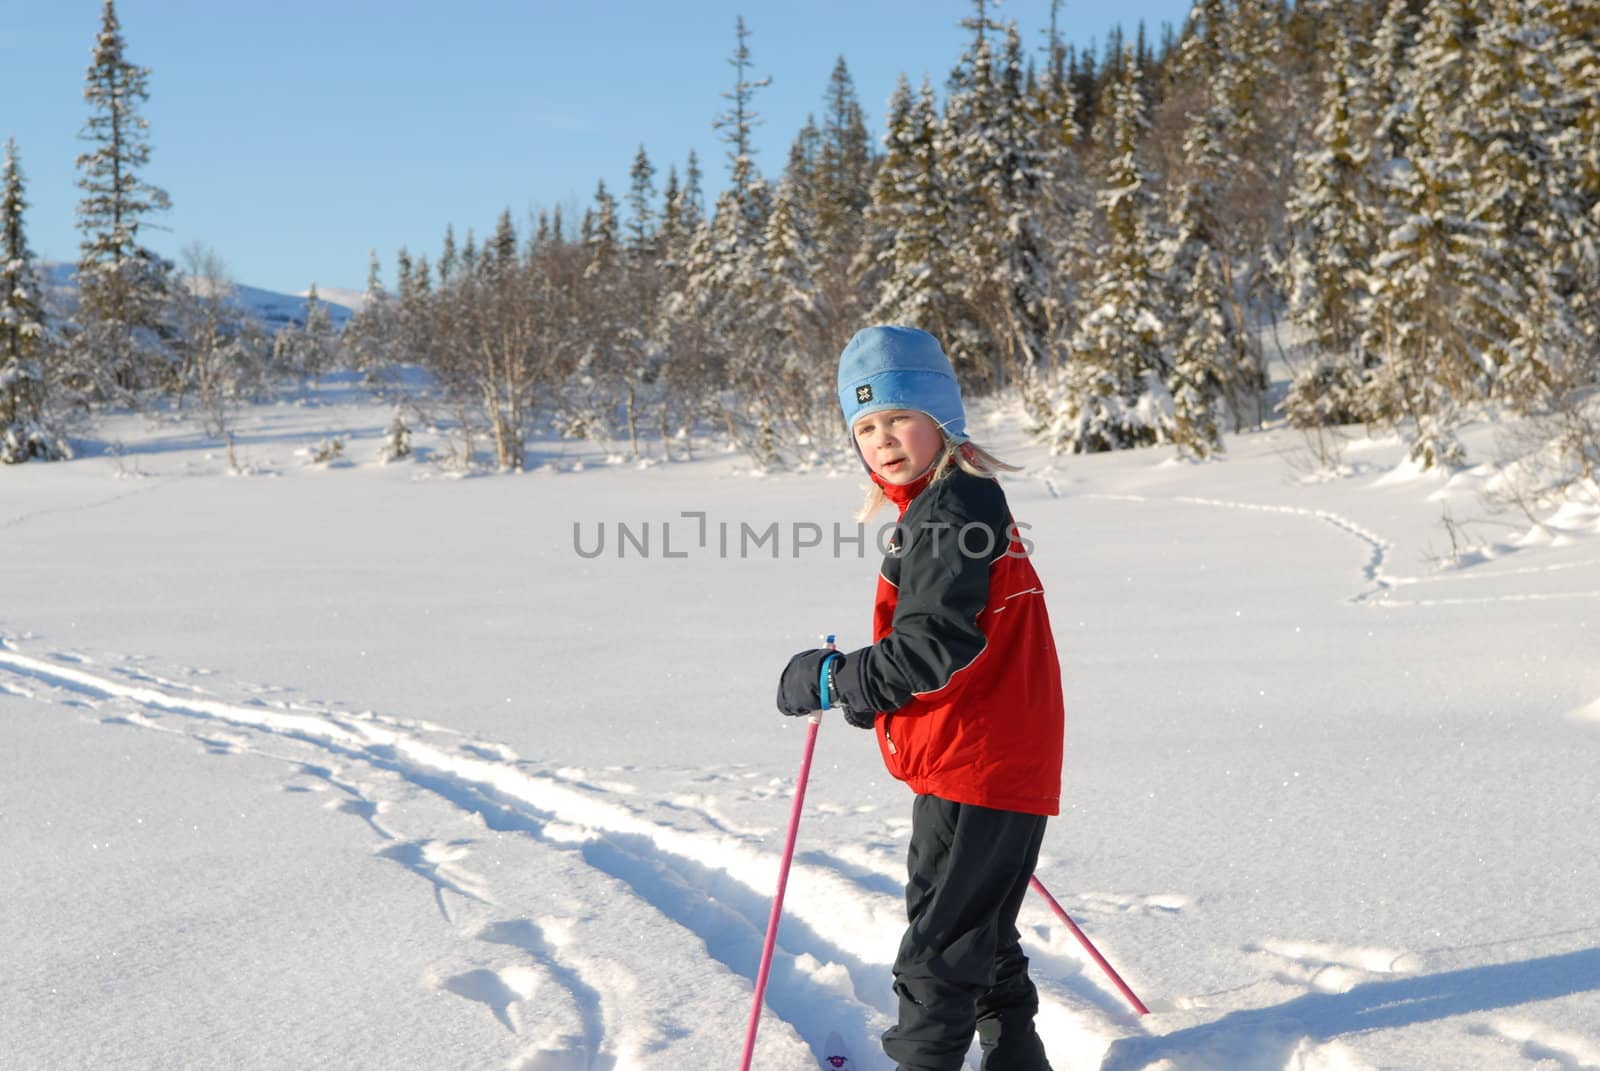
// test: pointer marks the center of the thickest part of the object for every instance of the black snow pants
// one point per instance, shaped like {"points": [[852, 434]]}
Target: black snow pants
{"points": [[961, 969]]}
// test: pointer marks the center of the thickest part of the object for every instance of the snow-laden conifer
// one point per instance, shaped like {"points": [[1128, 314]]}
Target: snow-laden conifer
{"points": [[1575, 51], [310, 348], [1332, 230], [1439, 304], [841, 191], [369, 336], [791, 352], [970, 147], [990, 163], [909, 216], [122, 284], [843, 178], [27, 430], [1115, 393], [641, 209], [1209, 359], [1525, 193]]}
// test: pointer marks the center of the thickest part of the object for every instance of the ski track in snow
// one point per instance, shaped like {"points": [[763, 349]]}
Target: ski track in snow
{"points": [[568, 1011], [714, 882]]}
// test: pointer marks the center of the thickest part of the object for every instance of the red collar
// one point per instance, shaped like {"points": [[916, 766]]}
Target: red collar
{"points": [[902, 494]]}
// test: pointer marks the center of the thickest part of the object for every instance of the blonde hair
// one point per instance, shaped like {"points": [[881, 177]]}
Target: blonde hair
{"points": [[962, 454]]}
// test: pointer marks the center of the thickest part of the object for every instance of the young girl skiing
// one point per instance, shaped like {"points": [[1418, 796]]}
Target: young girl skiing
{"points": [[963, 690]]}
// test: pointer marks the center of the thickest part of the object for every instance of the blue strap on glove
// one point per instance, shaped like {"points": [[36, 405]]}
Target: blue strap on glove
{"points": [[810, 683]]}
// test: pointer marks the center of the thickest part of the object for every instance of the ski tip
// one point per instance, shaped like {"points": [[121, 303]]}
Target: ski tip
{"points": [[835, 1057]]}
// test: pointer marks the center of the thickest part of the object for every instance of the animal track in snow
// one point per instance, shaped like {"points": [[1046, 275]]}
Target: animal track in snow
{"points": [[1376, 544]]}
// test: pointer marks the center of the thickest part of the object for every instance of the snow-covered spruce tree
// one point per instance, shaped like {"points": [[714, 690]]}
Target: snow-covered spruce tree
{"points": [[908, 219], [27, 430], [1525, 193], [449, 256], [1332, 231], [968, 146], [1576, 55], [1259, 123], [672, 239], [723, 258], [841, 190], [308, 349], [1202, 50], [414, 317], [1385, 104], [123, 286], [844, 166], [1020, 281], [370, 334], [1115, 394], [1231, 62], [751, 195], [642, 341], [642, 223], [609, 371], [1063, 208], [1208, 354], [989, 159], [678, 338], [792, 349], [1438, 281]]}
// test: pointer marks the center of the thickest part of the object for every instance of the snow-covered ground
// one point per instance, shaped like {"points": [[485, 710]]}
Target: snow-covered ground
{"points": [[364, 765]]}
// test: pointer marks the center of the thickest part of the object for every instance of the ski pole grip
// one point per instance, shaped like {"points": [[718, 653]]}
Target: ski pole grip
{"points": [[823, 691]]}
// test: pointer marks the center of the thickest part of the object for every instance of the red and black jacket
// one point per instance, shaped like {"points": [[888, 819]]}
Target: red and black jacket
{"points": [[963, 672]]}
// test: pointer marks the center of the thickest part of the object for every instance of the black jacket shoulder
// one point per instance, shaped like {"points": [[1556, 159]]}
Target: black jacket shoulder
{"points": [[972, 498], [939, 567]]}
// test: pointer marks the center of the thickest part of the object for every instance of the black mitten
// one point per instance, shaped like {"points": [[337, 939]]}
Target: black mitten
{"points": [[799, 691]]}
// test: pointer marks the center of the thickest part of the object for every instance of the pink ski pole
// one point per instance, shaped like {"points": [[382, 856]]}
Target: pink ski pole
{"points": [[783, 871], [1094, 953]]}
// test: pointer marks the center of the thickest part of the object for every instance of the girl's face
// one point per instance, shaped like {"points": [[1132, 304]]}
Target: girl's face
{"points": [[899, 444]]}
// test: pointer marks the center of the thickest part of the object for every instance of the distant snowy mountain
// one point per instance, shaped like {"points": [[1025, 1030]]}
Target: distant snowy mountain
{"points": [[275, 309], [338, 295], [272, 308]]}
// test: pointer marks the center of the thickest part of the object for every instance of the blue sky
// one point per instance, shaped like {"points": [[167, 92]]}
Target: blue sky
{"points": [[295, 136]]}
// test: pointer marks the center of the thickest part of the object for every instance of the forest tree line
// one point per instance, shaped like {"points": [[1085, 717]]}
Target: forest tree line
{"points": [[1411, 186]]}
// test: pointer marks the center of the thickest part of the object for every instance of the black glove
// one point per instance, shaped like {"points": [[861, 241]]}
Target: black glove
{"points": [[799, 691]]}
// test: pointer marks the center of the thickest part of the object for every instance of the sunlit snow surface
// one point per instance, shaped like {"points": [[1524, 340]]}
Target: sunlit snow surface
{"points": [[365, 765]]}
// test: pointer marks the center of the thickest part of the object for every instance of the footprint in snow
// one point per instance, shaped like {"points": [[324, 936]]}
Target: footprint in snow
{"points": [[1333, 968], [499, 990], [1543, 1044]]}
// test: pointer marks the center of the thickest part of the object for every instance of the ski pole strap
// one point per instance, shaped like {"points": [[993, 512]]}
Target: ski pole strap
{"points": [[825, 676]]}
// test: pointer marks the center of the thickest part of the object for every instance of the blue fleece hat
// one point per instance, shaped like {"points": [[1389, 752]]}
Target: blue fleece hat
{"points": [[900, 368]]}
